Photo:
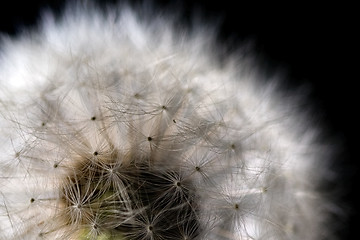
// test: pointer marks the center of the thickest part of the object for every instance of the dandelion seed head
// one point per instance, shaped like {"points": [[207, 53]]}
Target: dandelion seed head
{"points": [[118, 126]]}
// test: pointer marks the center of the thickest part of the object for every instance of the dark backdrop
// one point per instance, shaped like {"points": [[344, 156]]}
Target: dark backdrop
{"points": [[312, 44]]}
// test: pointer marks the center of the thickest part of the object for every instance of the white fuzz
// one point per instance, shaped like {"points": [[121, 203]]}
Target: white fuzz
{"points": [[120, 126]]}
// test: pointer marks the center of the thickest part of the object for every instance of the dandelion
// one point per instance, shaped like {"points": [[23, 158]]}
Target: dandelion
{"points": [[119, 126]]}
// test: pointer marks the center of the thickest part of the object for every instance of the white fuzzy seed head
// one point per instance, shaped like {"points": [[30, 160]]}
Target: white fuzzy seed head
{"points": [[116, 127]]}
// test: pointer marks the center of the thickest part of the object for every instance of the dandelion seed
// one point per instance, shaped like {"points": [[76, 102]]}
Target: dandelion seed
{"points": [[115, 125]]}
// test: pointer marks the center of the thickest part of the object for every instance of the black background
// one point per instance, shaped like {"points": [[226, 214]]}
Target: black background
{"points": [[312, 44]]}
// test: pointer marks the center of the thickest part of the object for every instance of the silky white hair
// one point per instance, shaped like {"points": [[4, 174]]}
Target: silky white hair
{"points": [[118, 125]]}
